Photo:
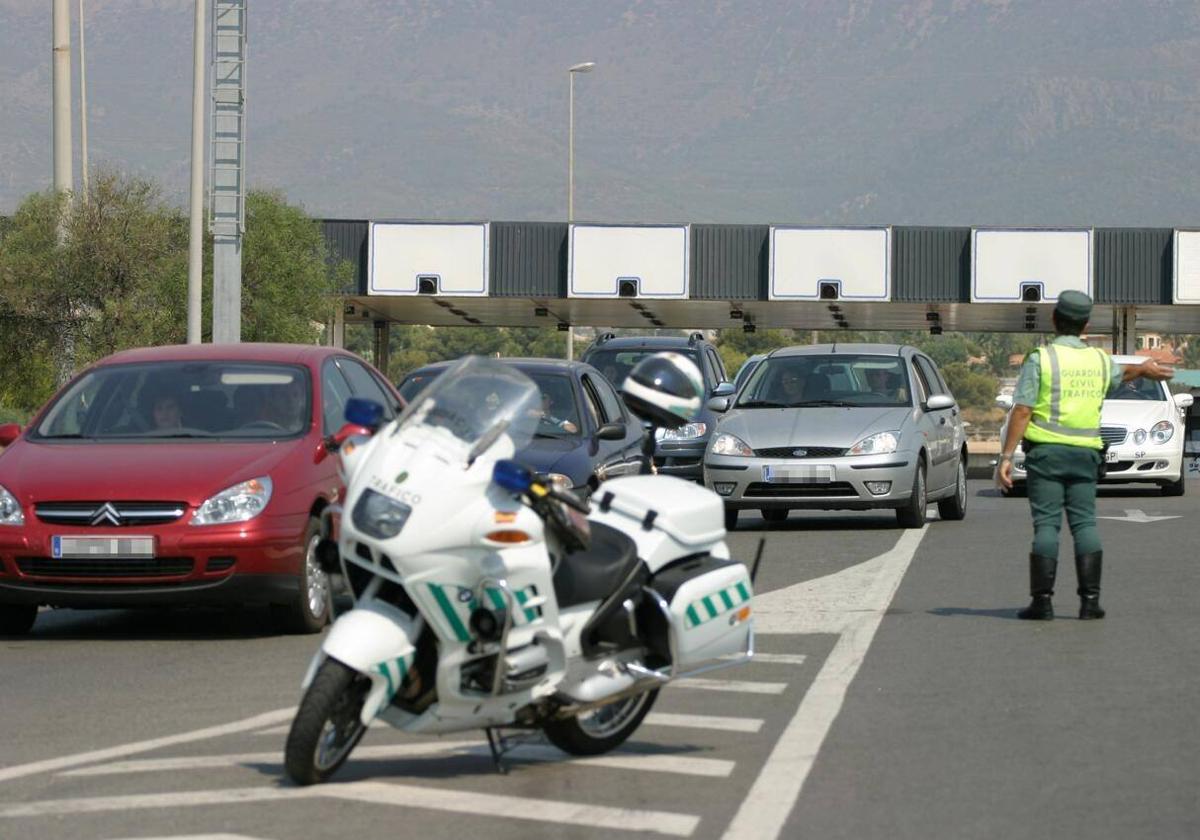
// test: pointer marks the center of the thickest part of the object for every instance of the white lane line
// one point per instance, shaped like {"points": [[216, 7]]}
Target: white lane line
{"points": [[531, 754], [458, 801], [731, 685], [711, 722], [764, 812], [18, 771], [777, 658]]}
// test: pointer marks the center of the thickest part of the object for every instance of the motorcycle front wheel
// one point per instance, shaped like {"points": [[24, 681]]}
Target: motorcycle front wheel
{"points": [[603, 729], [328, 724]]}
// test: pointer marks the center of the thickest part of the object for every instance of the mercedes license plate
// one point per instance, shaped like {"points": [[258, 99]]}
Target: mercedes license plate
{"points": [[102, 546], [1111, 456], [799, 473]]}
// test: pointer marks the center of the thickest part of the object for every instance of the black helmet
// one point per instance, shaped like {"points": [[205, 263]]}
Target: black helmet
{"points": [[665, 389]]}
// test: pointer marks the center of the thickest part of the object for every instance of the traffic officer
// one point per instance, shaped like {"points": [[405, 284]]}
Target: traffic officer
{"points": [[1056, 418]]}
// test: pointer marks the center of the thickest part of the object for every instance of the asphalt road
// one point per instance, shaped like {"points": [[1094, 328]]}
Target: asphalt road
{"points": [[897, 697]]}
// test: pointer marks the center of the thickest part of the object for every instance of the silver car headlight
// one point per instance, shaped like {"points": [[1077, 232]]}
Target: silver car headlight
{"points": [[883, 443], [1139, 437], [1162, 432], [688, 431], [10, 509], [731, 445], [239, 503], [380, 516]]}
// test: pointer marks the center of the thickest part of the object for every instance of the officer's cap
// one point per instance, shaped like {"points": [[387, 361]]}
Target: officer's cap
{"points": [[1074, 306]]}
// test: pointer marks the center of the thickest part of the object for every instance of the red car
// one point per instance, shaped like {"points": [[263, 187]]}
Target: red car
{"points": [[179, 475]]}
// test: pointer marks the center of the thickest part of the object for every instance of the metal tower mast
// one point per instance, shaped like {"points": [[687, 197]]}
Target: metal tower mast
{"points": [[227, 201]]}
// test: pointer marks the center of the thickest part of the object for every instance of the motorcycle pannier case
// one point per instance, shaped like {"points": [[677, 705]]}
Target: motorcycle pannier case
{"points": [[709, 601]]}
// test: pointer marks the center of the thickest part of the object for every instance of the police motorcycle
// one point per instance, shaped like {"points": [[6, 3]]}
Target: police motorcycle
{"points": [[487, 598]]}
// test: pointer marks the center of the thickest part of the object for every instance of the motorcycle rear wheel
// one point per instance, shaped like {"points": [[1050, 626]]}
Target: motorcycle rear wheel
{"points": [[328, 724], [602, 729]]}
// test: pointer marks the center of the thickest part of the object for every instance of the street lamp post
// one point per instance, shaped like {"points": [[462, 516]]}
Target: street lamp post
{"points": [[584, 67]]}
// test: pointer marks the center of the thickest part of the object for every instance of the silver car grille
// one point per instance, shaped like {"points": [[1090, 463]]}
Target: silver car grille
{"points": [[109, 514], [800, 452], [1113, 435]]}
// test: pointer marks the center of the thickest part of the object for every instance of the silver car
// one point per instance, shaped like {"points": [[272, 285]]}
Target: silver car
{"points": [[843, 426]]}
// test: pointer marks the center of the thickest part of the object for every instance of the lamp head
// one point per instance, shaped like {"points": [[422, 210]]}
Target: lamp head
{"points": [[584, 67]]}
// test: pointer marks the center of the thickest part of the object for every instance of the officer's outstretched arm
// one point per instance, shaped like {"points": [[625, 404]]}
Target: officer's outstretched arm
{"points": [[1149, 369]]}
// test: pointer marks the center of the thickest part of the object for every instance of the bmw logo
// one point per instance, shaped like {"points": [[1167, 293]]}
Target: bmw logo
{"points": [[464, 595]]}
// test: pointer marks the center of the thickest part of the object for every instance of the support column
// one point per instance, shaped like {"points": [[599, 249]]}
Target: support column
{"points": [[1124, 335], [338, 338], [382, 336], [227, 289]]}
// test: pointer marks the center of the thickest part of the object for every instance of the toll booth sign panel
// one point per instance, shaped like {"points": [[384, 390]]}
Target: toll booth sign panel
{"points": [[852, 264], [415, 258], [1029, 266]]}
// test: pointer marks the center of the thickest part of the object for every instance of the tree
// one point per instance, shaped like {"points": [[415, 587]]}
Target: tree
{"points": [[119, 279]]}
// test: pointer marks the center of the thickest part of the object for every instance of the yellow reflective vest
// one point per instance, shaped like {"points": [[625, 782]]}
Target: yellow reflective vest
{"points": [[1071, 391]]}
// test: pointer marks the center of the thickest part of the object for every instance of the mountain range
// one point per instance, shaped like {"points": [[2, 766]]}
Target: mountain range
{"points": [[960, 112]]}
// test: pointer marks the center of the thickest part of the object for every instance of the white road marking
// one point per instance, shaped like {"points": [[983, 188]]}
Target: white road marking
{"points": [[471, 803], [741, 686], [531, 753], [713, 722], [1138, 516], [764, 812], [18, 771], [778, 658]]}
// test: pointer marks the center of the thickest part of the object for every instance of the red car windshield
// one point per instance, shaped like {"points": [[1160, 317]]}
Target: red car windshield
{"points": [[177, 400]]}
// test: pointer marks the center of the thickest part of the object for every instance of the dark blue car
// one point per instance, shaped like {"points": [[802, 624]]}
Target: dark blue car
{"points": [[586, 434]]}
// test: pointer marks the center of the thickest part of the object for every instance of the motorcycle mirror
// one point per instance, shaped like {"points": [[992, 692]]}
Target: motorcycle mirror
{"points": [[334, 442], [512, 476], [364, 412]]}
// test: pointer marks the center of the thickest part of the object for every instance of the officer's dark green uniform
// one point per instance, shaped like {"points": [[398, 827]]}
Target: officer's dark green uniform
{"points": [[1065, 383]]}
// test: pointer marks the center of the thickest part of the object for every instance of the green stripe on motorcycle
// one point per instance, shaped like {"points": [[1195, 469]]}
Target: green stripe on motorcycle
{"points": [[530, 614], [708, 605], [744, 592], [693, 616], [391, 689], [725, 597], [451, 616]]}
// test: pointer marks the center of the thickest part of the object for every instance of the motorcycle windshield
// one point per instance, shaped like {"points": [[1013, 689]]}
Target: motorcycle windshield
{"points": [[477, 400]]}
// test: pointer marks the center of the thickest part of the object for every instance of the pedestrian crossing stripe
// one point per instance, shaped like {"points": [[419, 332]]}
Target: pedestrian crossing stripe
{"points": [[457, 611], [717, 604]]}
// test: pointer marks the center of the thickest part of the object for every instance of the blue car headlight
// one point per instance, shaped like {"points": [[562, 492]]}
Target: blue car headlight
{"points": [[379, 516]]}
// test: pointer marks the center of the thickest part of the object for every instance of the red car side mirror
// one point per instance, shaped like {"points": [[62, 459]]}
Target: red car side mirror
{"points": [[9, 432], [333, 443]]}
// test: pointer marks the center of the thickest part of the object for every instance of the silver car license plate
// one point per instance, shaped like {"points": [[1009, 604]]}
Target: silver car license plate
{"points": [[102, 546], [798, 473]]}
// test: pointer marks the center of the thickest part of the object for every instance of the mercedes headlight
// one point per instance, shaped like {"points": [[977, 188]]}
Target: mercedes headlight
{"points": [[688, 431], [883, 443], [238, 503], [10, 509], [1139, 437], [729, 445], [379, 516], [1161, 432]]}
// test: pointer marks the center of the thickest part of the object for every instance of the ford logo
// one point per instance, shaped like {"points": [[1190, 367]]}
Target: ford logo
{"points": [[800, 453]]}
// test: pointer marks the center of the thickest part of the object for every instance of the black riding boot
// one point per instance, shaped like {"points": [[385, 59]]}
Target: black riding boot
{"points": [[1087, 569], [1041, 586]]}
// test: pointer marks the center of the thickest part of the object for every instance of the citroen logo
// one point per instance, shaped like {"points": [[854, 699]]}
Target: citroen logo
{"points": [[106, 512], [800, 453]]}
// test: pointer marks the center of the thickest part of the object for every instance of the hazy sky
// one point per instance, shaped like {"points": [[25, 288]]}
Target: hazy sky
{"points": [[849, 111]]}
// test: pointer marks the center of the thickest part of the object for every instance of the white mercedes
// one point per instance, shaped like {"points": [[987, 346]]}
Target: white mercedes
{"points": [[1143, 426]]}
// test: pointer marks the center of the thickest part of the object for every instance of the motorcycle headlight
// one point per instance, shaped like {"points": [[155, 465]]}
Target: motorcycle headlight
{"points": [[1139, 437], [238, 503], [883, 443], [10, 509], [379, 516], [727, 444], [1162, 432], [688, 431]]}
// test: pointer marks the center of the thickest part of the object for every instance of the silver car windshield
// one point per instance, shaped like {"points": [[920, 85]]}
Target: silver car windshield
{"points": [[828, 380]]}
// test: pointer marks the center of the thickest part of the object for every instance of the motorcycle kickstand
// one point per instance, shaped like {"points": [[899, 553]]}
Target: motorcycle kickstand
{"points": [[496, 746]]}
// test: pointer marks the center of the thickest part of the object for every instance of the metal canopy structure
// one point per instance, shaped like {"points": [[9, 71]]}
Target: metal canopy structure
{"points": [[764, 276]]}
